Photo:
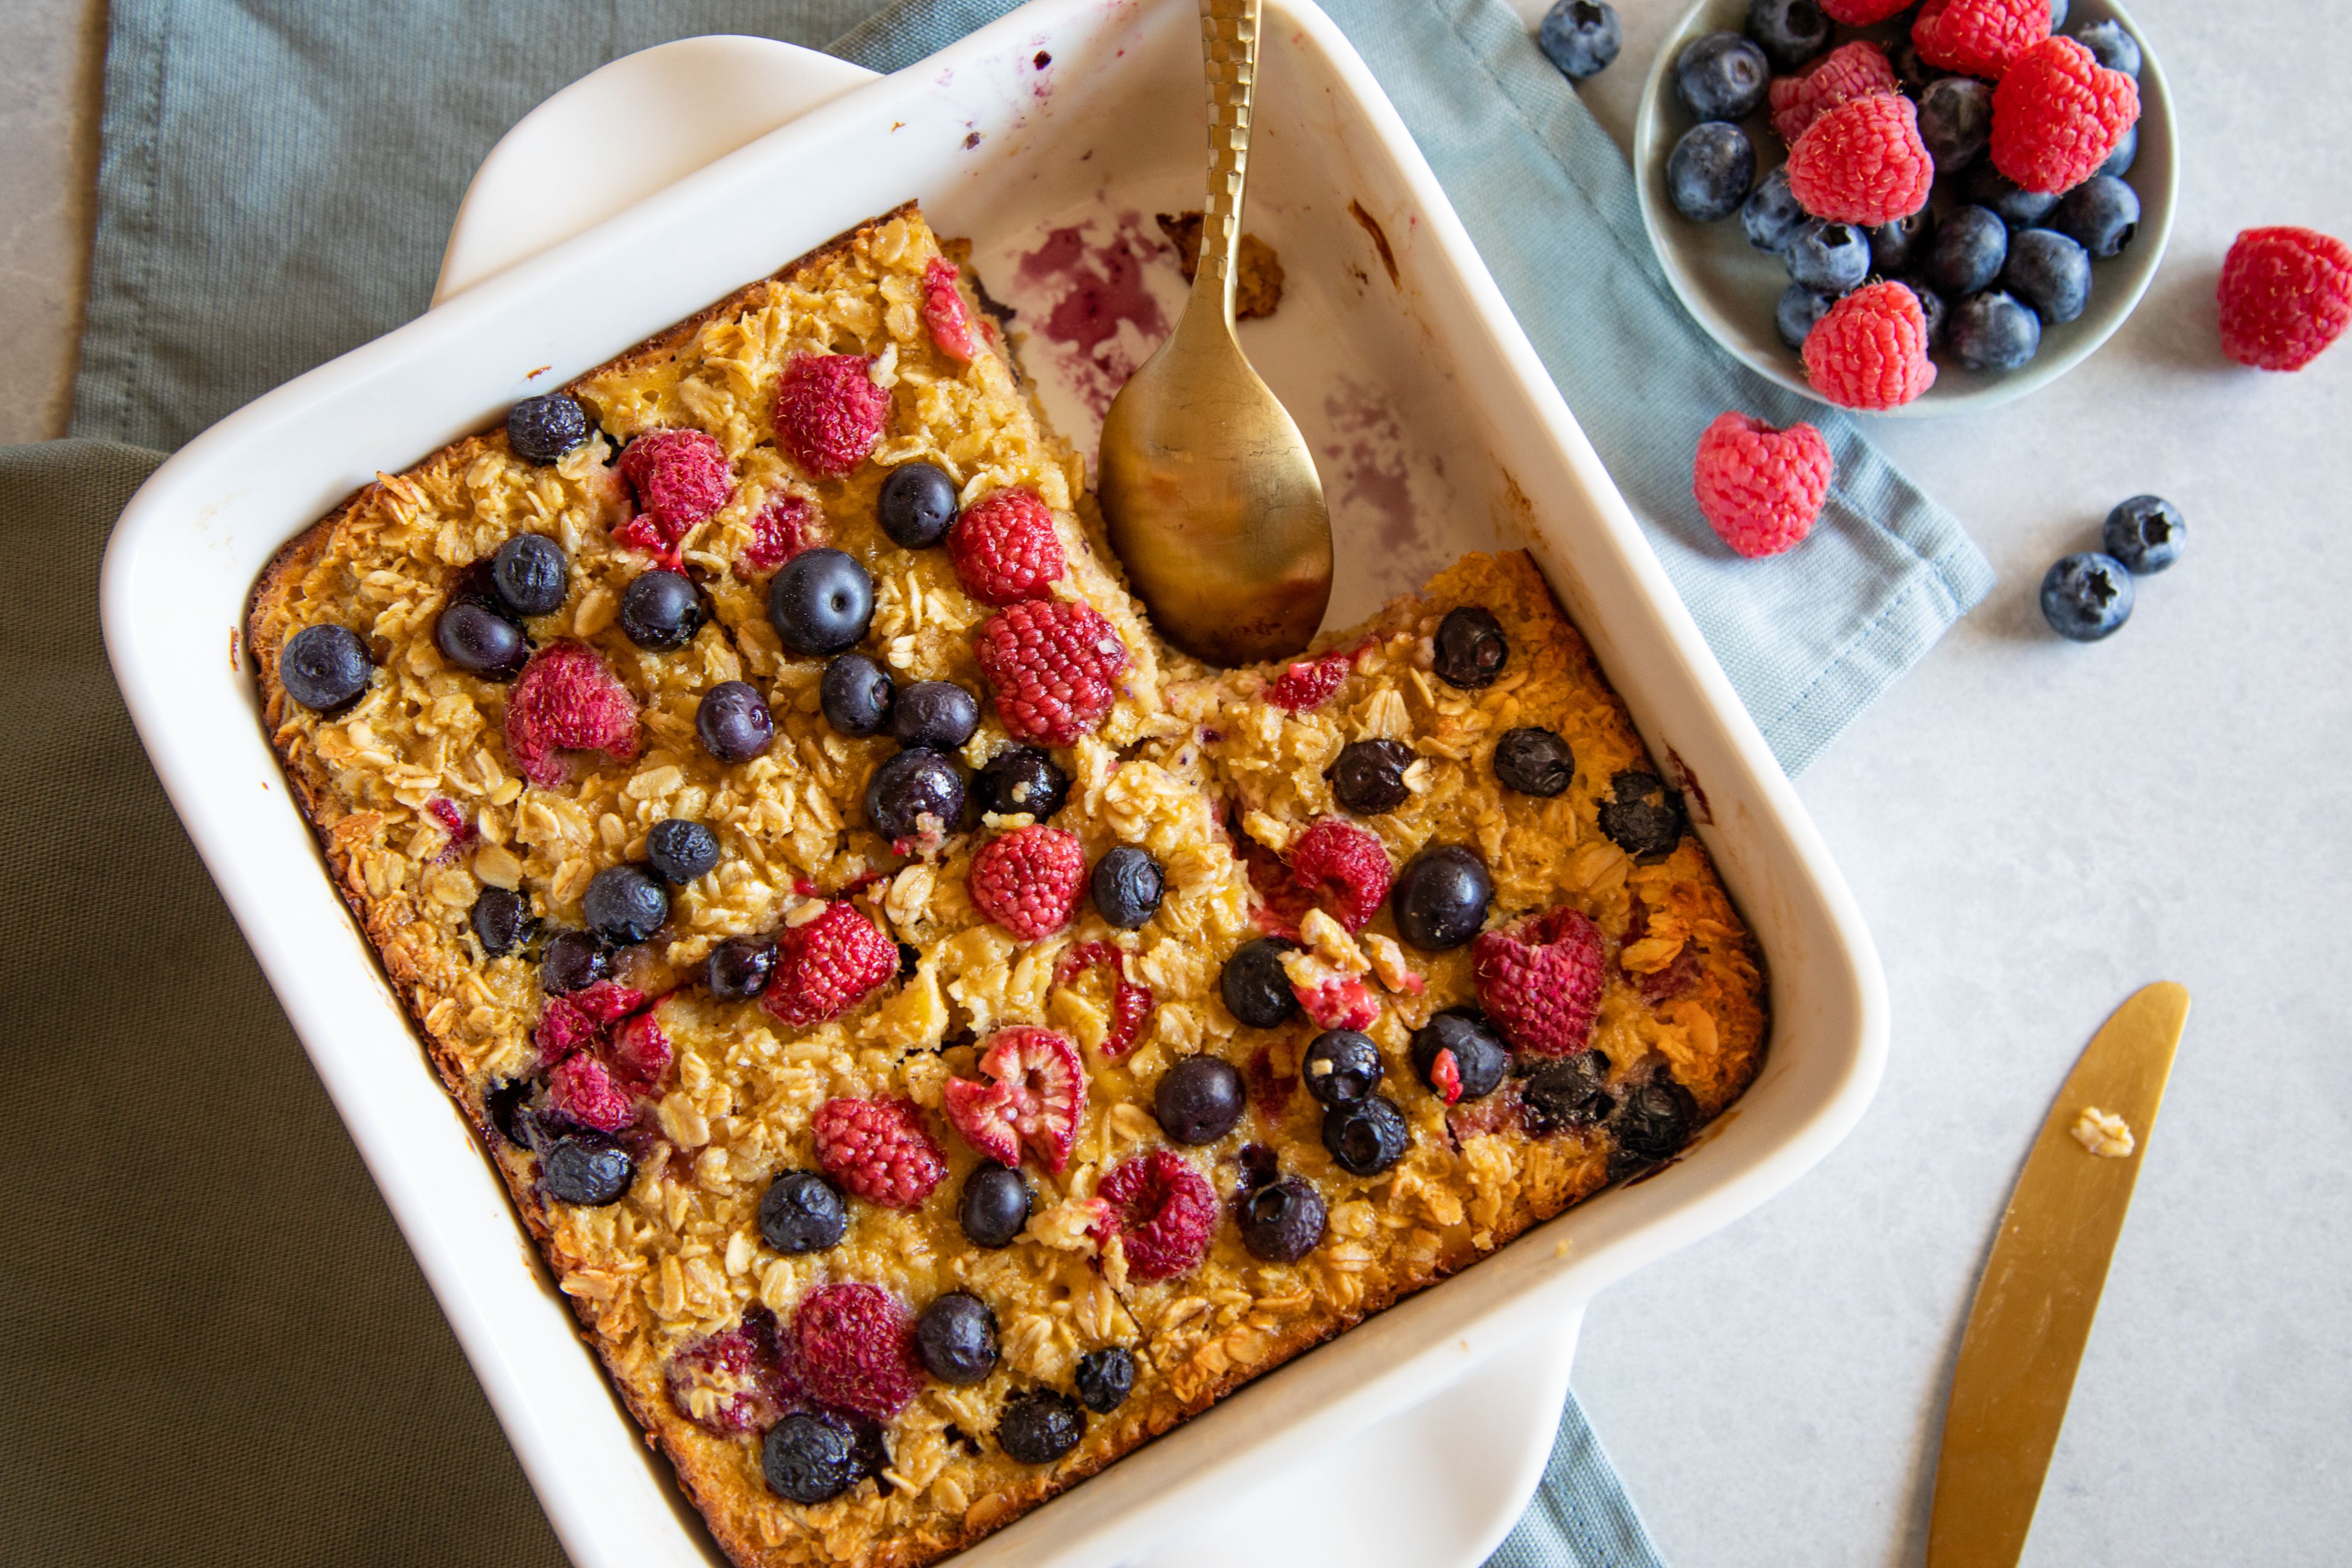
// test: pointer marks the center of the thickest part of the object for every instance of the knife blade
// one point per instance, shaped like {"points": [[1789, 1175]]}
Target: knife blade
{"points": [[2041, 1289]]}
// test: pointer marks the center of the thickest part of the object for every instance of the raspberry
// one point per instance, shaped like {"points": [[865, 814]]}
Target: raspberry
{"points": [[827, 966], [2285, 293], [829, 412], [1005, 550], [1979, 37], [1539, 980], [578, 1022], [944, 314], [2058, 114], [1345, 866], [1861, 162], [1130, 1003], [1333, 999], [1309, 683], [878, 1149], [1445, 1075], [1027, 881], [853, 1347], [567, 699], [1849, 72], [581, 1090], [1163, 1211], [784, 527], [680, 478], [1036, 1099], [1860, 12], [1051, 666], [639, 1055], [453, 823], [1871, 350], [729, 1383], [1758, 488]]}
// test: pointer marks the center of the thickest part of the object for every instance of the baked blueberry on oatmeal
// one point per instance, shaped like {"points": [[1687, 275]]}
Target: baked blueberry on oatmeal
{"points": [[939, 1038]]}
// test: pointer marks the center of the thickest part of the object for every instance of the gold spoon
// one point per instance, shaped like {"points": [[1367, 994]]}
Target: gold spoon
{"points": [[1210, 492]]}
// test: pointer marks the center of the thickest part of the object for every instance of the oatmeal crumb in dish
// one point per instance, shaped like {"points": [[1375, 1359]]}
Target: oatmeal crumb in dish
{"points": [[939, 1036]]}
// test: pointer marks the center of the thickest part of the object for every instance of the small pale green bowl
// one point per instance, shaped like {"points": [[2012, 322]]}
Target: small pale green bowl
{"points": [[1731, 286]]}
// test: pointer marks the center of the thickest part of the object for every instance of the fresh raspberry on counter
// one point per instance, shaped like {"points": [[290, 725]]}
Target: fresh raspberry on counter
{"points": [[1861, 162], [579, 1089], [1028, 881], [1760, 489], [2285, 294], [729, 1383], [2058, 114], [1035, 1099], [829, 412], [1345, 866], [1163, 1211], [1540, 981], [783, 528], [1979, 37], [1871, 350], [826, 966], [1051, 667], [1005, 550], [944, 312], [853, 1347], [567, 699], [1849, 71], [680, 478], [878, 1149], [1308, 684], [1860, 12]]}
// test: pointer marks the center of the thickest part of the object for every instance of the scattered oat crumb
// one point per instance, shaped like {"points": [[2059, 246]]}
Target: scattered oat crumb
{"points": [[1563, 1247], [1258, 288], [2103, 1133]]}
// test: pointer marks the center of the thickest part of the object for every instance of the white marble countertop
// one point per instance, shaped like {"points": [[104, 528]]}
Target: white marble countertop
{"points": [[2034, 830]]}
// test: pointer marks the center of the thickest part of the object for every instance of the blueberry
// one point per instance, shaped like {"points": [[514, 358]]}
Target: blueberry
{"points": [[1368, 1137], [1021, 779], [1480, 1057], [501, 917], [916, 506], [1988, 187], [1341, 1068], [1954, 121], [939, 714], [1368, 777], [1909, 69], [1827, 257], [2048, 272], [584, 1167], [573, 961], [2111, 46], [530, 575], [541, 429], [1534, 761], [506, 1107], [1282, 1221], [681, 850], [2086, 597], [2126, 154], [2100, 214], [479, 641], [1200, 1099], [1798, 313], [659, 610], [1710, 170], [1440, 897], [1570, 1092], [1642, 816], [1580, 37], [624, 904], [1127, 884], [1893, 244], [1993, 331], [2057, 15], [855, 694], [909, 788], [1259, 1165], [809, 1459], [324, 669], [1770, 214], [1655, 1120], [801, 1212], [1931, 307], [734, 722], [1790, 32], [1967, 251], [737, 968], [821, 601], [956, 1337], [1040, 1426], [1255, 988], [994, 1206], [1105, 1378], [1471, 649], [1722, 77], [2145, 533]]}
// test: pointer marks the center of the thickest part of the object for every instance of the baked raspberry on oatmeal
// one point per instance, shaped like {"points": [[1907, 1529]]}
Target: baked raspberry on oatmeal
{"points": [[938, 1037]]}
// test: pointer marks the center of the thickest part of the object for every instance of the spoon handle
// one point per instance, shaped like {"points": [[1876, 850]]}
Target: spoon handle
{"points": [[1229, 50]]}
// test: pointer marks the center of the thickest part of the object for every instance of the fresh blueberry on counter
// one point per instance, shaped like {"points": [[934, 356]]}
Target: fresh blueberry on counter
{"points": [[2100, 214], [1710, 170], [1969, 249], [681, 850], [1341, 1068], [1827, 257], [542, 429], [855, 694], [802, 1212], [1127, 884], [2145, 534], [325, 669], [531, 574], [1993, 331], [733, 723], [1790, 32], [821, 601], [1580, 37], [1254, 985], [994, 1206], [1722, 77], [1770, 214], [938, 714], [2086, 597], [1441, 897], [916, 506]]}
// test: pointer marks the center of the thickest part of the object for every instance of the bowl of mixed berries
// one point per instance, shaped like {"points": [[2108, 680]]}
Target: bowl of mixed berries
{"points": [[1908, 208]]}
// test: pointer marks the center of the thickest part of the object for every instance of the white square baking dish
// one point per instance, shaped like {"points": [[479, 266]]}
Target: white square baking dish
{"points": [[1441, 433]]}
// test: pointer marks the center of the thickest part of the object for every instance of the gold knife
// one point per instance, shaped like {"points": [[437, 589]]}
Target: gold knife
{"points": [[2040, 1288]]}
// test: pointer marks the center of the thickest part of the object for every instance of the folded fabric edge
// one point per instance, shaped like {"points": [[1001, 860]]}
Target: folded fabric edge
{"points": [[1579, 1516]]}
